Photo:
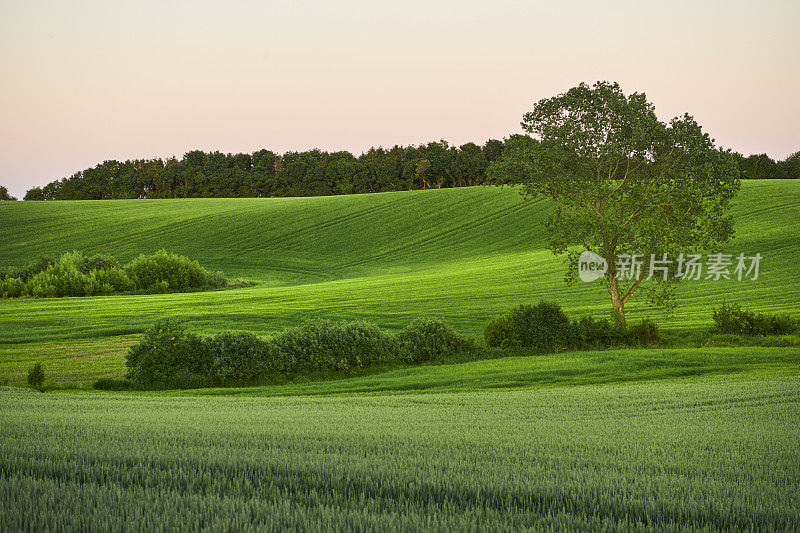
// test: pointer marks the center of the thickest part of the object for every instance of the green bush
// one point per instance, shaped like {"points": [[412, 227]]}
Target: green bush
{"points": [[542, 327], [338, 346], [100, 262], [499, 333], [644, 333], [168, 355], [113, 280], [428, 339], [735, 320], [163, 272], [242, 358], [27, 272], [12, 288], [73, 274], [36, 376], [589, 333], [64, 278]]}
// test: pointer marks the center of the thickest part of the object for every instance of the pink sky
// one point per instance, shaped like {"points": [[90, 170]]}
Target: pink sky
{"points": [[93, 80]]}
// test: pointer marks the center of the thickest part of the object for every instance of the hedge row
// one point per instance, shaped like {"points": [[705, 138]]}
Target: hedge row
{"points": [[74, 274], [171, 357]]}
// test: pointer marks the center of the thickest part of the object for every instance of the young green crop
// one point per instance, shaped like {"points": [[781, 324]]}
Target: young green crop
{"points": [[718, 456]]}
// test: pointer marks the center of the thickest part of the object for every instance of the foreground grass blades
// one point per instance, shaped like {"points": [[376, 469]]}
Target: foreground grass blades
{"points": [[715, 456]]}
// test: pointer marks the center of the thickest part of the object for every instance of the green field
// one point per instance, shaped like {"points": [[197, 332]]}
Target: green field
{"points": [[659, 439], [717, 456], [464, 255]]}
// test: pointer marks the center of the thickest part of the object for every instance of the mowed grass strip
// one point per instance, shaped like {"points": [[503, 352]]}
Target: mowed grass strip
{"points": [[716, 456]]}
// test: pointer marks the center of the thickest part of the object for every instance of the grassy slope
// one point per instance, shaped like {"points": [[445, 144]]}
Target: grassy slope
{"points": [[462, 254], [660, 457], [562, 369]]}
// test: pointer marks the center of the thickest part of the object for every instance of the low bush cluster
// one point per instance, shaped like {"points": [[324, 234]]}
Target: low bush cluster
{"points": [[36, 376], [169, 356], [74, 274], [734, 320], [545, 328]]}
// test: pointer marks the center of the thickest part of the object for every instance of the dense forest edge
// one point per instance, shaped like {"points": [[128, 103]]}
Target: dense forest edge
{"points": [[313, 173]]}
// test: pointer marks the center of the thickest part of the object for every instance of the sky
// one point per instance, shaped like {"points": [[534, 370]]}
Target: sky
{"points": [[86, 81]]}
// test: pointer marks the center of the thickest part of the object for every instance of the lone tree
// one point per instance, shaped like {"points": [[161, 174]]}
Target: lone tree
{"points": [[623, 183]]}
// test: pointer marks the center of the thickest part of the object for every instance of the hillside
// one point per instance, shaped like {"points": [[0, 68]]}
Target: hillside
{"points": [[463, 254]]}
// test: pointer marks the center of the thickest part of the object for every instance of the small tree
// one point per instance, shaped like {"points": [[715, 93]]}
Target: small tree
{"points": [[34, 194], [36, 376], [4, 194], [623, 182]]}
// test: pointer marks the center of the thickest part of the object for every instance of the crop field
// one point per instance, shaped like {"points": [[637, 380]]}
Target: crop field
{"points": [[668, 456], [463, 254], [661, 439]]}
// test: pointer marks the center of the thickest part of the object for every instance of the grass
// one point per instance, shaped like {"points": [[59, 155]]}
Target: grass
{"points": [[635, 439], [75, 363], [562, 369], [464, 255], [716, 456]]}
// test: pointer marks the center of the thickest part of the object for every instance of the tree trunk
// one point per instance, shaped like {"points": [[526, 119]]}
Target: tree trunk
{"points": [[617, 303]]}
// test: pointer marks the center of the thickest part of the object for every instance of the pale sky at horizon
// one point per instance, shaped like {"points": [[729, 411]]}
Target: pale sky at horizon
{"points": [[87, 81]]}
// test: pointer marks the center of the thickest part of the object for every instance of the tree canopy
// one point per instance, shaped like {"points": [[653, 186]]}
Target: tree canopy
{"points": [[4, 196], [265, 173], [623, 181]]}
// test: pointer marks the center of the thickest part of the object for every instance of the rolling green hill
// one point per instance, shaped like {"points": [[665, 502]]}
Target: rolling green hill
{"points": [[625, 439], [462, 254]]}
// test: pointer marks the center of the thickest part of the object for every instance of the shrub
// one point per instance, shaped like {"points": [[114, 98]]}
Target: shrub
{"points": [[592, 333], [168, 354], [644, 333], [113, 280], [589, 333], [36, 376], [162, 272], [735, 320], [426, 340], [325, 345], [100, 262], [73, 274], [12, 288], [28, 271], [499, 333], [543, 327], [64, 278], [242, 358]]}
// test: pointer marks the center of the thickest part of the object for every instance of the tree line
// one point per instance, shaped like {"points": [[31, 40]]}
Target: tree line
{"points": [[313, 173], [762, 166], [265, 173]]}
